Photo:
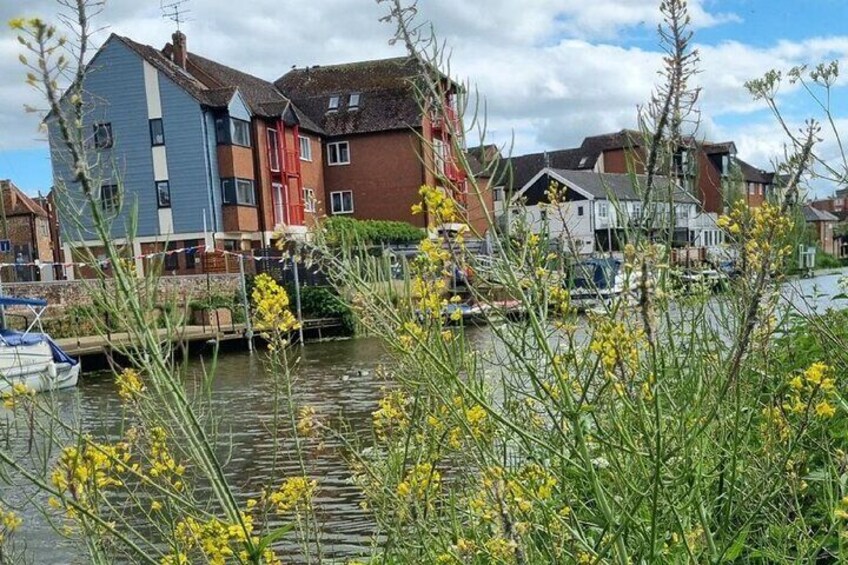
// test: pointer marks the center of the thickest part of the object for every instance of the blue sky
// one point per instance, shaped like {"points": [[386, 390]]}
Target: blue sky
{"points": [[551, 71]]}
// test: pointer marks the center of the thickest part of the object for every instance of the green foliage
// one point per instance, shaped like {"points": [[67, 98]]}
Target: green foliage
{"points": [[323, 302], [370, 232]]}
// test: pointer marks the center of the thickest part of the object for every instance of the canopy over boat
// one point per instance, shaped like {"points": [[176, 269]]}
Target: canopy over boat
{"points": [[12, 301]]}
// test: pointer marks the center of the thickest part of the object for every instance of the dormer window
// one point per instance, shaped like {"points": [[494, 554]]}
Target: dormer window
{"points": [[334, 103], [353, 103]]}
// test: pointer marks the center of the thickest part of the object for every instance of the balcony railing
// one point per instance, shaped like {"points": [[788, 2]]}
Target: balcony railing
{"points": [[445, 118]]}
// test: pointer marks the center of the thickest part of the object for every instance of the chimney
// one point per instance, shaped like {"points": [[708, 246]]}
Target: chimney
{"points": [[180, 51]]}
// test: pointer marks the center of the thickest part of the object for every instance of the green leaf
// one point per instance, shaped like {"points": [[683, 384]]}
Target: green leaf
{"points": [[273, 536], [738, 545]]}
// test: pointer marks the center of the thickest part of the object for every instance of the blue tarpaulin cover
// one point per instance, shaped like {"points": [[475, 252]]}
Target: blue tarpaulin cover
{"points": [[13, 339]]}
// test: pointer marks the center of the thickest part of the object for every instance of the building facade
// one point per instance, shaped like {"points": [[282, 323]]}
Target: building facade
{"points": [[197, 153], [26, 226], [381, 143]]}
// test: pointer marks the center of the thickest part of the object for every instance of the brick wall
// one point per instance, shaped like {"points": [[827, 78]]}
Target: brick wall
{"points": [[63, 294], [385, 174]]}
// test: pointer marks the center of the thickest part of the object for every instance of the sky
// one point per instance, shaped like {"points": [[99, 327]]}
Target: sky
{"points": [[547, 73]]}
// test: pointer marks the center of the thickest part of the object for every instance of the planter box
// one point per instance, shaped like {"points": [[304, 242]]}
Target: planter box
{"points": [[213, 317]]}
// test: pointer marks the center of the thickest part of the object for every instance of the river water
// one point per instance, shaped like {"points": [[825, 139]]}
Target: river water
{"points": [[338, 379]]}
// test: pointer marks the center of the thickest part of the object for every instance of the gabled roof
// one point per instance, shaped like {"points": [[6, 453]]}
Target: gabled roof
{"points": [[261, 96], [218, 96], [751, 173], [387, 97], [815, 215], [600, 186], [16, 203]]}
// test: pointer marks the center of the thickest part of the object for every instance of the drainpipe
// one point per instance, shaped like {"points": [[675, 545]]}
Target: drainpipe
{"points": [[259, 184]]}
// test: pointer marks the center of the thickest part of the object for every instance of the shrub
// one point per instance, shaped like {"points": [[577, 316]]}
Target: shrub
{"points": [[371, 232]]}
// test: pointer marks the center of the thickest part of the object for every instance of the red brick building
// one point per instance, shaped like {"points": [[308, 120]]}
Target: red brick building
{"points": [[705, 169], [26, 225], [380, 146]]}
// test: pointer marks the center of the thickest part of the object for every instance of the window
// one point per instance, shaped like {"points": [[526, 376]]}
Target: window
{"points": [[222, 131], [342, 202], [583, 161], [110, 198], [230, 131], [498, 194], [238, 191], [157, 132], [338, 153], [309, 200], [725, 165], [543, 216], [353, 103], [241, 132], [637, 211], [334, 103], [273, 150], [751, 188], [580, 211], [603, 209], [279, 208], [103, 135], [305, 149], [163, 193]]}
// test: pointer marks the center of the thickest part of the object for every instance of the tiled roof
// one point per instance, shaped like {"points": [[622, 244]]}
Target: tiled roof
{"points": [[815, 215], [16, 203], [719, 148], [387, 98], [601, 185], [751, 173], [216, 97]]}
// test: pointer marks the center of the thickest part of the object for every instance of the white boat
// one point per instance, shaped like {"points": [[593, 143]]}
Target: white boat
{"points": [[594, 283], [32, 358]]}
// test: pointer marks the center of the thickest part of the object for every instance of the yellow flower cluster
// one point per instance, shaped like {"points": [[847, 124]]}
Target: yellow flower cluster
{"points": [[163, 466], [438, 203], [475, 422], [271, 303], [501, 549], [391, 416], [306, 421], [421, 483], [130, 385], [295, 494], [616, 345], [841, 512], [531, 484], [85, 472], [213, 539], [813, 388], [19, 392], [760, 232], [9, 521]]}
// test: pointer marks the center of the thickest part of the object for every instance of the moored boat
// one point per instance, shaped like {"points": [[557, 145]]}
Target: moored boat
{"points": [[31, 358]]}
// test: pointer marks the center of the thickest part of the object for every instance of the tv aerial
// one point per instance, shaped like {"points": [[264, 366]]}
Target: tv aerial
{"points": [[175, 11]]}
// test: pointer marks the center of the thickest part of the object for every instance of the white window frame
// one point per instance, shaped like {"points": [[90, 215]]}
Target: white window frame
{"points": [[279, 206], [309, 200], [603, 209], [335, 147], [498, 194], [273, 150], [305, 143], [354, 100], [341, 194]]}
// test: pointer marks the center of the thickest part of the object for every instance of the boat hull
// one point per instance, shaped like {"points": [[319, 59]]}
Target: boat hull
{"points": [[60, 376]]}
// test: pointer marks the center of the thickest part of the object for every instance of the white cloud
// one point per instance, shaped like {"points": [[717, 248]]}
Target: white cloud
{"points": [[551, 71]]}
